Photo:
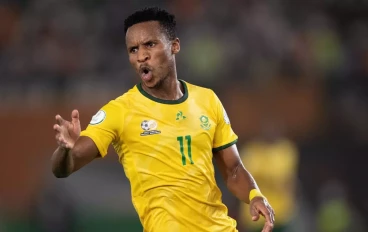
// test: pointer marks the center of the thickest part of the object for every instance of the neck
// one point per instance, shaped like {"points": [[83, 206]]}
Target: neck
{"points": [[168, 89]]}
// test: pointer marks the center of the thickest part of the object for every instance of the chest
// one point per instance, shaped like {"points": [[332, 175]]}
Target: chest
{"points": [[185, 128]]}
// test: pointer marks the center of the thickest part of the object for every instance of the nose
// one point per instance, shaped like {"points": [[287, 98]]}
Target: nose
{"points": [[143, 55]]}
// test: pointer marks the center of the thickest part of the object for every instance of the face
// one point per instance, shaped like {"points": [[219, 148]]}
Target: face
{"points": [[151, 53]]}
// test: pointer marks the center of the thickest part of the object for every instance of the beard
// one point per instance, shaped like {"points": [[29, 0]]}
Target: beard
{"points": [[162, 79], [159, 83]]}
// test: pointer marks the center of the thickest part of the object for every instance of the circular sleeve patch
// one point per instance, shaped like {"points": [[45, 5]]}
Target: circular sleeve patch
{"points": [[98, 117], [226, 118]]}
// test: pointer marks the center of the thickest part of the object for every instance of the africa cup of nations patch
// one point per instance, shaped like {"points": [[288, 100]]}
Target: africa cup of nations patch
{"points": [[98, 117], [149, 127]]}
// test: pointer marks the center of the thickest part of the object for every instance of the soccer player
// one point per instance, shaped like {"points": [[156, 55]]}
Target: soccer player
{"points": [[166, 132]]}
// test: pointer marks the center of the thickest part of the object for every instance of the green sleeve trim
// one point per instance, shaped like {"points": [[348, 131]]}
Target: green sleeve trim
{"points": [[224, 146]]}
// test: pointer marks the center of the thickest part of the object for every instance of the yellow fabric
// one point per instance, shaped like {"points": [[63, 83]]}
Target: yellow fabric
{"points": [[168, 159], [274, 167]]}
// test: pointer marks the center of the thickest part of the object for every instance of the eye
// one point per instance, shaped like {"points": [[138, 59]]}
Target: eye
{"points": [[150, 44], [133, 50]]}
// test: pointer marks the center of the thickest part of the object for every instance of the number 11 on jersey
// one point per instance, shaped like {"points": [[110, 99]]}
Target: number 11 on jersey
{"points": [[188, 138]]}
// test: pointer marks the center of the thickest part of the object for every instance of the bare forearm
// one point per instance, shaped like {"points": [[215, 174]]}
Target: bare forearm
{"points": [[62, 162], [240, 182], [66, 161]]}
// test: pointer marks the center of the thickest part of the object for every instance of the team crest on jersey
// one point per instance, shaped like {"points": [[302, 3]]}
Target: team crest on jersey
{"points": [[205, 122], [149, 127]]}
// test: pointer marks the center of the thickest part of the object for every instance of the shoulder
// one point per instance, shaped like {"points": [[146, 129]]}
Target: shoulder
{"points": [[200, 91], [204, 97], [120, 105], [127, 99]]}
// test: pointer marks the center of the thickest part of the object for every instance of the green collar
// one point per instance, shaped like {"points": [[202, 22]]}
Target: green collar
{"points": [[170, 102]]}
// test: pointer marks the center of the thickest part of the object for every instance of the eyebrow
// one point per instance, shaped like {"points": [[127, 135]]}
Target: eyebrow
{"points": [[151, 40], [144, 43]]}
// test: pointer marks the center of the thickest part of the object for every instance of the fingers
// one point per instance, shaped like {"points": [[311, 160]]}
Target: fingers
{"points": [[61, 141], [57, 128], [267, 212], [255, 218], [255, 214], [268, 215], [261, 207], [267, 228], [59, 120], [61, 128], [75, 116]]}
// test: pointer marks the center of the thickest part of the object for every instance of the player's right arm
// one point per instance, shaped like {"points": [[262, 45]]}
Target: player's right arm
{"points": [[74, 151], [77, 148]]}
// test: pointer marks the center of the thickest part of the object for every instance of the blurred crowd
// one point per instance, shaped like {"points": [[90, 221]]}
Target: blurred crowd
{"points": [[292, 74]]}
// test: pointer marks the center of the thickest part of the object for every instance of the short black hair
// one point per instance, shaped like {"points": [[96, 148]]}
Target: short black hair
{"points": [[166, 20]]}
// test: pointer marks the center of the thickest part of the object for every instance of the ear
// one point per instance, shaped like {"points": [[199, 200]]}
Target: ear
{"points": [[175, 46]]}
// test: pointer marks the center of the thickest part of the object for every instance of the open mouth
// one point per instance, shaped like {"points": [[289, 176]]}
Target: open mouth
{"points": [[144, 69], [146, 73]]}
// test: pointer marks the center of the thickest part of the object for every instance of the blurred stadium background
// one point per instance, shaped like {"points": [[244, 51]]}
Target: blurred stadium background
{"points": [[292, 74]]}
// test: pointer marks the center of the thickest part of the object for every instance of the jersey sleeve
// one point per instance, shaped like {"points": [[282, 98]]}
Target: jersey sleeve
{"points": [[105, 126], [224, 134]]}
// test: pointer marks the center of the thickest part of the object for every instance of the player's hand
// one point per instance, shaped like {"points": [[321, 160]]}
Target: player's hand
{"points": [[67, 132], [260, 206]]}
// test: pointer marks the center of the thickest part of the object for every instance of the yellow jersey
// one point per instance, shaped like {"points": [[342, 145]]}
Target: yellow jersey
{"points": [[165, 147]]}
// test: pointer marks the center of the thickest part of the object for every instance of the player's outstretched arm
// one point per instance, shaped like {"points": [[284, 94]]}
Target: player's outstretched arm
{"points": [[73, 151], [241, 183]]}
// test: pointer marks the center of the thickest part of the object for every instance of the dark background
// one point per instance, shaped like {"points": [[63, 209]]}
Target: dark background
{"points": [[285, 70]]}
